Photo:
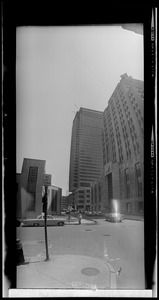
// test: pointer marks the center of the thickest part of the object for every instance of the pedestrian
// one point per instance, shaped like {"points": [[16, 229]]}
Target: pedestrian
{"points": [[79, 218]]}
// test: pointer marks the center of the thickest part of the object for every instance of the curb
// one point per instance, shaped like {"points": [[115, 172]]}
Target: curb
{"points": [[112, 278]]}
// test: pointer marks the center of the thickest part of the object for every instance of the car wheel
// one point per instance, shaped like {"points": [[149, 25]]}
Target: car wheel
{"points": [[60, 224]]}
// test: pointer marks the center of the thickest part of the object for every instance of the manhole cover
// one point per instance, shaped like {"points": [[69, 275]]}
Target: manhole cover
{"points": [[106, 234], [90, 271], [88, 229]]}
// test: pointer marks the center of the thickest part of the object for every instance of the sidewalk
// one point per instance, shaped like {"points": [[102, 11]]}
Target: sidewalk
{"points": [[134, 217], [66, 272]]}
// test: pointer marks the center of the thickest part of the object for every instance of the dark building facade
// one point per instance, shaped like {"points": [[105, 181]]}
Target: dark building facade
{"points": [[64, 202], [123, 140], [107, 153], [86, 159]]}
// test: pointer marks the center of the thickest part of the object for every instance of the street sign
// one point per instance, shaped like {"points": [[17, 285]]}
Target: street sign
{"points": [[47, 180]]}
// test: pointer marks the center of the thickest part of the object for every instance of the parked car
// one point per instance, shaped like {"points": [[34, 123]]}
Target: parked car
{"points": [[114, 217], [98, 212], [40, 221]]}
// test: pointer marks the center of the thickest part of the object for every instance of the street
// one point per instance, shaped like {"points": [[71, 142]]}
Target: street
{"points": [[119, 244]]}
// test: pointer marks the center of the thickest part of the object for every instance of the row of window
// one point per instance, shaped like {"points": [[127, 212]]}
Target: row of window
{"points": [[131, 126], [112, 137], [137, 111], [82, 191], [117, 135], [82, 196], [124, 129]]}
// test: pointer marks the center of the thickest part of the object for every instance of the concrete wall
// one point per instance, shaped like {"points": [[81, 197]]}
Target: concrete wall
{"points": [[54, 200]]}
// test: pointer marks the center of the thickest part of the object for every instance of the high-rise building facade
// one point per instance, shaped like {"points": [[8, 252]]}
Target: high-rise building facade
{"points": [[86, 158], [30, 184], [30, 189], [123, 139]]}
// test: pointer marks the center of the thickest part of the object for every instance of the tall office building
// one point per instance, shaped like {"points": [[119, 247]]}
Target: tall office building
{"points": [[86, 158], [123, 138]]}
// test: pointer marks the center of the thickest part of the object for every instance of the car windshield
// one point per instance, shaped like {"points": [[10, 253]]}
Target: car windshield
{"points": [[42, 217]]}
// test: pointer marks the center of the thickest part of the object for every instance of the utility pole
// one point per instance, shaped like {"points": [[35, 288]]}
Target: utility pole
{"points": [[46, 242], [47, 182]]}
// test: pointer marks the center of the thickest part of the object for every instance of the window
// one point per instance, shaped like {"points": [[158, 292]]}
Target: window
{"points": [[127, 183], [33, 173], [80, 207], [81, 196], [81, 201], [138, 179], [110, 187], [129, 207], [83, 184], [95, 193]]}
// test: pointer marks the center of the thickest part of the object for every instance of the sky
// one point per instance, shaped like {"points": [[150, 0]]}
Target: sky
{"points": [[59, 70]]}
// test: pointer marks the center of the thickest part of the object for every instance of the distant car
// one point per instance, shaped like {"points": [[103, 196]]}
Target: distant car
{"points": [[40, 221], [88, 212], [114, 217], [98, 212]]}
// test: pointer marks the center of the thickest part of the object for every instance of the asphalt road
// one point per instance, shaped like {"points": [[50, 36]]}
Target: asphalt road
{"points": [[120, 244]]}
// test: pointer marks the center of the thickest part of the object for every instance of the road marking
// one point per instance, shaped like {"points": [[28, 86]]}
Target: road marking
{"points": [[106, 256]]}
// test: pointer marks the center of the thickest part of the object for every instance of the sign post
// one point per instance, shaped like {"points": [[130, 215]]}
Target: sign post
{"points": [[47, 182]]}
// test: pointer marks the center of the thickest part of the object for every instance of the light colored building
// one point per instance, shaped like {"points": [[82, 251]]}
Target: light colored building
{"points": [[64, 202], [86, 159]]}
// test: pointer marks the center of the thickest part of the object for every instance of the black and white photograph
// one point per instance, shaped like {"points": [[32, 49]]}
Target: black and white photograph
{"points": [[79, 195]]}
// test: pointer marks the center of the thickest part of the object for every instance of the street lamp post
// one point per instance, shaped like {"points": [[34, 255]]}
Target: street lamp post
{"points": [[47, 182], [45, 211]]}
